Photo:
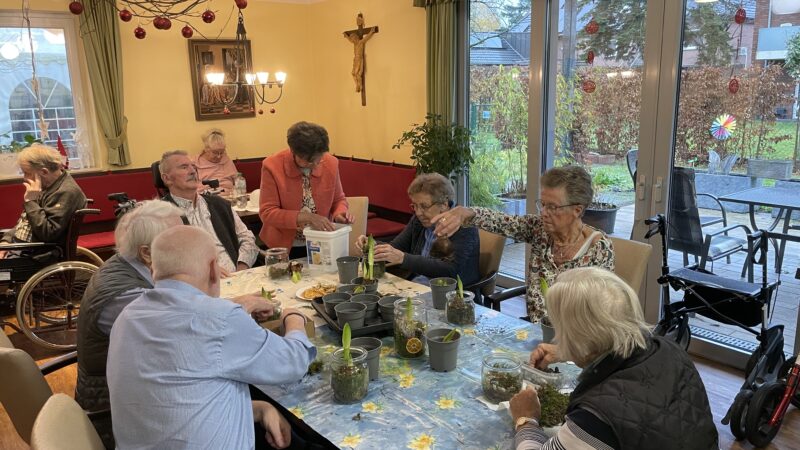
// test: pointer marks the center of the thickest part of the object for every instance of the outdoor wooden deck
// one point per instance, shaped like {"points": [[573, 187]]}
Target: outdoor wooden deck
{"points": [[785, 309]]}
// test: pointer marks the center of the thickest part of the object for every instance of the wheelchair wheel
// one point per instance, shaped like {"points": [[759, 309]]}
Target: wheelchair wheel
{"points": [[763, 405], [739, 414], [89, 256], [49, 303]]}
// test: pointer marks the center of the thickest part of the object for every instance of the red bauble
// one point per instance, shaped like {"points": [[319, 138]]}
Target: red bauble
{"points": [[592, 27], [241, 4], [76, 7], [139, 32], [741, 16], [187, 31], [261, 111], [272, 110], [590, 57], [733, 85], [166, 24], [125, 15], [157, 23], [225, 110], [208, 16], [588, 86]]}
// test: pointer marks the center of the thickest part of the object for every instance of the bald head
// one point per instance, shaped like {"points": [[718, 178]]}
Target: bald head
{"points": [[187, 254]]}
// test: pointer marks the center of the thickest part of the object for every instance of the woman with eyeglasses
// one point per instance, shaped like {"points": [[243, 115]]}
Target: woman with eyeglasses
{"points": [[559, 239], [213, 162], [415, 250], [300, 187]]}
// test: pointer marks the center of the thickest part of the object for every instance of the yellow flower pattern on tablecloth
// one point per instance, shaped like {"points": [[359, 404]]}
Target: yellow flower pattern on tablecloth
{"points": [[446, 402], [371, 407], [469, 331], [351, 440], [298, 412], [385, 350], [406, 380], [422, 442], [522, 335]]}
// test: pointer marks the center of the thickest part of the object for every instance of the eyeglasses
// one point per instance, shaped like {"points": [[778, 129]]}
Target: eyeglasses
{"points": [[422, 208], [551, 209]]}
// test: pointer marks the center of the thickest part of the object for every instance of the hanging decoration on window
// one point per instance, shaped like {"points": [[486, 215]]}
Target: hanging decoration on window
{"points": [[739, 18], [588, 85], [723, 127], [161, 13], [37, 93]]}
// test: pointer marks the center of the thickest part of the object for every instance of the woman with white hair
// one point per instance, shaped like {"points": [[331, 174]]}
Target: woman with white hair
{"points": [[213, 162], [636, 390]]}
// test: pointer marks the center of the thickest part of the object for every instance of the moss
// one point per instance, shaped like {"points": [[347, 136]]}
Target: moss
{"points": [[554, 405]]}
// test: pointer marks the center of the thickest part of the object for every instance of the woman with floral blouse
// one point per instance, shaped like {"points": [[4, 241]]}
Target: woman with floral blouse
{"points": [[559, 239]]}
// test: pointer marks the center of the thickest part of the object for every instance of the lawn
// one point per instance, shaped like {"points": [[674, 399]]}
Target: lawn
{"points": [[783, 149]]}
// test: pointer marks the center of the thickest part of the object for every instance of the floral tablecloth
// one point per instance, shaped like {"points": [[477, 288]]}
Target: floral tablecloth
{"points": [[410, 406]]}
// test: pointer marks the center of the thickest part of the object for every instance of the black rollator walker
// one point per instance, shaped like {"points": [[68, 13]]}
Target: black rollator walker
{"points": [[732, 302]]}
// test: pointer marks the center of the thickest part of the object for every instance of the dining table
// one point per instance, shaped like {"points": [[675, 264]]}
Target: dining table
{"points": [[409, 405]]}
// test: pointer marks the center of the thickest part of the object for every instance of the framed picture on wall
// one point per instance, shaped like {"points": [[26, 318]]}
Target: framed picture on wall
{"points": [[219, 56]]}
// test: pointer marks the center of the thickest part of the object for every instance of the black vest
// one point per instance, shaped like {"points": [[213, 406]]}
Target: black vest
{"points": [[653, 400], [223, 222]]}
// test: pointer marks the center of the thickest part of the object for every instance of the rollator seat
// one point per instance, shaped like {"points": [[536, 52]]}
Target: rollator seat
{"points": [[695, 277]]}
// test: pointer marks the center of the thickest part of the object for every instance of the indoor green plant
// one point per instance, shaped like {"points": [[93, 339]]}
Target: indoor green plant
{"points": [[438, 146], [460, 308], [410, 323], [349, 371]]}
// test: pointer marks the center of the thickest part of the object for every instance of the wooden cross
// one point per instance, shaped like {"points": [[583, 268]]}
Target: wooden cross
{"points": [[359, 38]]}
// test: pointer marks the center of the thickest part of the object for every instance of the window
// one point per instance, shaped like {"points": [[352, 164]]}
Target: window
{"points": [[54, 40]]}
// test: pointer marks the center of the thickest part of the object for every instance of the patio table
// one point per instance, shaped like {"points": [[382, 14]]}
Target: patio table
{"points": [[409, 406], [785, 200]]}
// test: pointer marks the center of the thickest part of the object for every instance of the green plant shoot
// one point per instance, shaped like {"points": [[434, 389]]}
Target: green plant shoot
{"points": [[266, 294], [370, 257], [348, 360], [543, 286], [459, 287], [360, 289], [409, 310], [296, 276], [449, 337]]}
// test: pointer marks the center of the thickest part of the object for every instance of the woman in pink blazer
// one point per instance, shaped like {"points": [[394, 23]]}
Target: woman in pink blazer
{"points": [[300, 187]]}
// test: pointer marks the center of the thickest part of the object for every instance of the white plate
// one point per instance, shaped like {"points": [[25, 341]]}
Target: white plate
{"points": [[299, 293]]}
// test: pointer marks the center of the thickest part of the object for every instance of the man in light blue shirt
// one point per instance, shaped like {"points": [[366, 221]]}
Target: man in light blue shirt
{"points": [[180, 358]]}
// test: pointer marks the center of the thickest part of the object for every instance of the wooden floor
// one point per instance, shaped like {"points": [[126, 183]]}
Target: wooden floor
{"points": [[721, 383]]}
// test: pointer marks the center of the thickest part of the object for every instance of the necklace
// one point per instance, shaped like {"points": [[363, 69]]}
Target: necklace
{"points": [[563, 249]]}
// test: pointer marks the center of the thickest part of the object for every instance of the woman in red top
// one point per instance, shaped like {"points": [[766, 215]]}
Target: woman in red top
{"points": [[213, 161], [300, 187]]}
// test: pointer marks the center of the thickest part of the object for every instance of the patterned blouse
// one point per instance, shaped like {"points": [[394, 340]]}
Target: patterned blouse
{"points": [[530, 229]]}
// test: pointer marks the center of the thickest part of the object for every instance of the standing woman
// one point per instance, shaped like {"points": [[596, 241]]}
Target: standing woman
{"points": [[559, 239], [300, 187], [213, 162]]}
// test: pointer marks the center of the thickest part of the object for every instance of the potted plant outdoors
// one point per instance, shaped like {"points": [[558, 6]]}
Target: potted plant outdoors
{"points": [[460, 307], [349, 371], [438, 146], [600, 214], [368, 283]]}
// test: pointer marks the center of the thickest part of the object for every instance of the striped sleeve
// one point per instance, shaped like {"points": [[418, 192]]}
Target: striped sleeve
{"points": [[587, 432]]}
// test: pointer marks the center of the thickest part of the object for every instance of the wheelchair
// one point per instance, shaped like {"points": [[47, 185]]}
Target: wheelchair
{"points": [[48, 280]]}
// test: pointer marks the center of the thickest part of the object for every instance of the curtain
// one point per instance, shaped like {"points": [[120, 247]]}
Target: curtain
{"points": [[100, 34], [442, 17]]}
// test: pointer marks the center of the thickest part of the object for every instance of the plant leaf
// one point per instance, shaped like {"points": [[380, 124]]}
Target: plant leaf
{"points": [[459, 286], [370, 256], [296, 277], [450, 335], [360, 289], [409, 309], [346, 344], [543, 286]]}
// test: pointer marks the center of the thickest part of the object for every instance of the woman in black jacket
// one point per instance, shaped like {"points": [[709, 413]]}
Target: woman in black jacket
{"points": [[414, 249]]}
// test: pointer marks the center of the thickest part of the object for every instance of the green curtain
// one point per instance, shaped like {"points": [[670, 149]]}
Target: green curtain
{"points": [[100, 33], [442, 17]]}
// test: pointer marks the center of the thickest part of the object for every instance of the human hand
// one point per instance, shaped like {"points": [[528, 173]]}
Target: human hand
{"points": [[525, 404], [361, 242], [385, 252], [344, 217], [279, 432], [33, 188], [255, 304], [544, 355], [3, 254], [241, 266], [448, 222], [316, 221], [224, 273]]}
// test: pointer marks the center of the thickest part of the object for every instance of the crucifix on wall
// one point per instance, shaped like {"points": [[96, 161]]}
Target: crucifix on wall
{"points": [[359, 38]]}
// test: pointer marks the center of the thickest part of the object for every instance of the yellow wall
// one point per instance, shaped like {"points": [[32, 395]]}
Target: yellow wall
{"points": [[304, 40]]}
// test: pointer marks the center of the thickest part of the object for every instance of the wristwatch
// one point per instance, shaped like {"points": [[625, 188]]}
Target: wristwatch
{"points": [[523, 420]]}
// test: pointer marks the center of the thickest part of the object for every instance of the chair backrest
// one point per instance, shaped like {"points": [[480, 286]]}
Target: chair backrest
{"points": [[23, 391], [359, 207], [684, 231], [157, 181], [490, 256], [5, 342], [630, 260], [632, 158], [63, 425], [70, 251]]}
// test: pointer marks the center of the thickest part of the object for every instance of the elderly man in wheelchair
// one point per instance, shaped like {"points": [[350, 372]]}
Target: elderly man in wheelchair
{"points": [[37, 255]]}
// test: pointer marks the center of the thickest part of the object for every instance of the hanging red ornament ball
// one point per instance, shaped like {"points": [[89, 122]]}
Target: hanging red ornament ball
{"points": [[592, 27], [590, 57], [741, 16], [241, 4], [208, 16], [139, 32], [157, 23], [125, 15], [733, 85], [588, 86], [225, 110], [272, 110], [261, 111], [76, 7], [166, 24], [187, 31]]}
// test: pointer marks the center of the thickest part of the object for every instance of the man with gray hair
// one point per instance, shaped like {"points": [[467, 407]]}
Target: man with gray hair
{"points": [[235, 244], [51, 198], [180, 359]]}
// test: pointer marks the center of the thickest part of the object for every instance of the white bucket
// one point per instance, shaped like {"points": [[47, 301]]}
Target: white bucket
{"points": [[324, 247]]}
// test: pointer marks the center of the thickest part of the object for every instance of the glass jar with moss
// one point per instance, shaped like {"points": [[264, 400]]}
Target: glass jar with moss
{"points": [[501, 377], [410, 323]]}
